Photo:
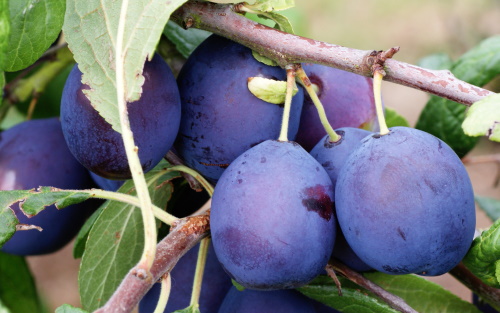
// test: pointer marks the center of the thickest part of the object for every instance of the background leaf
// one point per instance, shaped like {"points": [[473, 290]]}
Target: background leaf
{"points": [[34, 26], [115, 242], [483, 118], [91, 27], [17, 288], [422, 295], [436, 61], [185, 40], [442, 117], [4, 34], [392, 118], [354, 299], [81, 238], [66, 308], [483, 258], [490, 206]]}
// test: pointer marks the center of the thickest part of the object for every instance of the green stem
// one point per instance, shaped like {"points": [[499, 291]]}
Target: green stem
{"points": [[182, 168], [306, 83], [200, 267], [290, 84], [131, 151], [377, 86], [166, 284]]}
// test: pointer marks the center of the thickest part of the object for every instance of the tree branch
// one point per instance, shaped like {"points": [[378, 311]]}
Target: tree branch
{"points": [[184, 235], [286, 49]]}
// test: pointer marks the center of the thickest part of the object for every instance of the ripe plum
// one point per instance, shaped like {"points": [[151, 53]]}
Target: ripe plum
{"points": [[272, 223], [220, 117], [154, 120], [405, 203]]}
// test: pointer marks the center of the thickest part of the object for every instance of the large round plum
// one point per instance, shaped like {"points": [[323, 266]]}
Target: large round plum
{"points": [[347, 99], [154, 120], [405, 203], [220, 117], [214, 287], [277, 301], [272, 223], [34, 154]]}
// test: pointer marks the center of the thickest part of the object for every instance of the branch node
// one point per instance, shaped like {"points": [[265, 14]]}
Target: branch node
{"points": [[238, 8], [188, 22]]}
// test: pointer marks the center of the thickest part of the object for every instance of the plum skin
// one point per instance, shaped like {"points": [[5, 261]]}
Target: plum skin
{"points": [[405, 203], [214, 287], [220, 117], [347, 99], [34, 154], [154, 120], [272, 223]]}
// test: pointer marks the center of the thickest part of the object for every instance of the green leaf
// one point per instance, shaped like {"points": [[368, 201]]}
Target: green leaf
{"points": [[443, 118], [185, 40], [190, 309], [91, 28], [272, 5], [34, 26], [422, 295], [17, 288], [66, 308], [437, 61], [282, 22], [4, 33], [483, 258], [81, 238], [237, 285], [115, 242], [490, 206], [353, 299], [8, 222], [269, 90], [2, 81], [262, 59], [392, 118], [483, 118]]}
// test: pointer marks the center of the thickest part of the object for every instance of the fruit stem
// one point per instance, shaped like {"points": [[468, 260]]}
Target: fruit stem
{"points": [[200, 268], [306, 83], [132, 151], [377, 86], [182, 168], [166, 284], [290, 85]]}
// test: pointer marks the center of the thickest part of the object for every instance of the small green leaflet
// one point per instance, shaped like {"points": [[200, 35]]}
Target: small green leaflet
{"points": [[66, 308], [262, 59], [392, 118], [190, 309], [483, 258], [34, 26], [354, 299], [490, 206], [271, 5], [91, 28], [413, 289], [4, 34], [269, 90], [116, 240], [17, 291], [282, 22], [483, 118], [185, 40]]}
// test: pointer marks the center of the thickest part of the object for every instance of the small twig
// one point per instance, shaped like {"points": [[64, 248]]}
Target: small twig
{"points": [[393, 301], [32, 105], [331, 273], [173, 159]]}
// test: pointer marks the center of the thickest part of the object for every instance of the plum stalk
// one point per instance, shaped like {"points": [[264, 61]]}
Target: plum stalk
{"points": [[377, 86], [290, 84], [166, 285]]}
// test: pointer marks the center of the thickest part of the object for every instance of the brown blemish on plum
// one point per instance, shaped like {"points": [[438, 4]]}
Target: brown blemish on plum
{"points": [[318, 200]]}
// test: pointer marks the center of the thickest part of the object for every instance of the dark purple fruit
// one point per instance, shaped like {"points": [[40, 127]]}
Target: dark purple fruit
{"points": [[346, 97], [214, 287], [34, 154], [220, 117], [154, 120], [272, 223], [106, 184], [405, 203]]}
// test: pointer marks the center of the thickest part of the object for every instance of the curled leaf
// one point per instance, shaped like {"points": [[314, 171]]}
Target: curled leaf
{"points": [[269, 90]]}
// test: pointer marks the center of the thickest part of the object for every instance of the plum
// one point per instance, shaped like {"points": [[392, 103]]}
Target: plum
{"points": [[214, 287], [106, 184], [34, 154], [405, 203], [332, 155], [220, 117], [276, 301], [347, 99], [154, 120], [271, 221]]}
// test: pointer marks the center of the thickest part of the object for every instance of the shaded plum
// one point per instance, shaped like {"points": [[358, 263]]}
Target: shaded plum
{"points": [[154, 120], [405, 203], [332, 155], [185, 201], [106, 184], [271, 221], [220, 117], [277, 301], [346, 97], [214, 287], [34, 154]]}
